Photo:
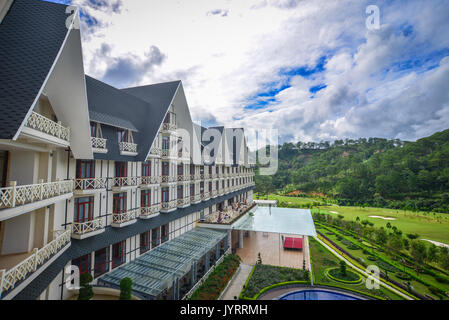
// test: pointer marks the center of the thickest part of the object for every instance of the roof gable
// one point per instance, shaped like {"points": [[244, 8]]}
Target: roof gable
{"points": [[29, 48]]}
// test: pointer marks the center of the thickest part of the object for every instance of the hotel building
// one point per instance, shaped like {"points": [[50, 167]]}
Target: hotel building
{"points": [[112, 181]]}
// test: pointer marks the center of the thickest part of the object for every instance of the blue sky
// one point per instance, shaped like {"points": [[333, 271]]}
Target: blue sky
{"points": [[311, 69]]}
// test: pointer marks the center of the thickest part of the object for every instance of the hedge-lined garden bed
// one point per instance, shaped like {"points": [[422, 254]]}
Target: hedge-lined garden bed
{"points": [[263, 276], [218, 279]]}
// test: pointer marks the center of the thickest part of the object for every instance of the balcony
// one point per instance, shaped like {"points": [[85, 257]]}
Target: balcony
{"points": [[150, 212], [124, 183], [205, 196], [82, 230], [169, 179], [214, 193], [123, 219], [128, 149], [9, 279], [184, 155], [147, 181], [168, 205], [183, 202], [182, 178], [195, 199], [90, 185], [168, 127], [46, 130], [15, 200], [99, 145], [155, 152]]}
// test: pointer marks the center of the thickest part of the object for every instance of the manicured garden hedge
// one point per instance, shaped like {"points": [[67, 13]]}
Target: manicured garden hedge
{"points": [[265, 277], [351, 277], [218, 279]]}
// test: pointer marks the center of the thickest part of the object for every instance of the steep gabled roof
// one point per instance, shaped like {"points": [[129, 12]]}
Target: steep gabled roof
{"points": [[121, 110], [158, 97], [31, 36]]}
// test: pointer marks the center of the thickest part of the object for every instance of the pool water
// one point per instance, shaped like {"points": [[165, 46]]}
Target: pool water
{"points": [[317, 295]]}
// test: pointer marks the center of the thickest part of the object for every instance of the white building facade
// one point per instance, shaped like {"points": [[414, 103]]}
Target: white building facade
{"points": [[91, 175]]}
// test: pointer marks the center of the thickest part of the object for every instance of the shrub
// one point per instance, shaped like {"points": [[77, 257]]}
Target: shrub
{"points": [[86, 292], [126, 288], [403, 276]]}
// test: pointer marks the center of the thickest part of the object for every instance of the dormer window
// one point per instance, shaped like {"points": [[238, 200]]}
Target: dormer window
{"points": [[95, 130], [126, 142], [124, 135]]}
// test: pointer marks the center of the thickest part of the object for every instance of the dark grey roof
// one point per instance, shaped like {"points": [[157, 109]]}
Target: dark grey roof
{"points": [[144, 108], [158, 95], [111, 120], [31, 35]]}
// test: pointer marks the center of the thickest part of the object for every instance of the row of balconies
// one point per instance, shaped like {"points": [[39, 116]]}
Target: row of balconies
{"points": [[14, 195], [80, 230]]}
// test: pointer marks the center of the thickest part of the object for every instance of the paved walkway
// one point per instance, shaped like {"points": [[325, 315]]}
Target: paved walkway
{"points": [[337, 254], [237, 282]]}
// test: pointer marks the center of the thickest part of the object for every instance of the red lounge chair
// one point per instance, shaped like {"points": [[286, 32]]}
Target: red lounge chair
{"points": [[293, 243]]}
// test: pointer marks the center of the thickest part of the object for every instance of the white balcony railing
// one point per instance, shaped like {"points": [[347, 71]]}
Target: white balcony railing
{"points": [[19, 195], [48, 126], [195, 198], [126, 216], [125, 181], [128, 147], [169, 127], [150, 180], [80, 228], [8, 279], [156, 151], [183, 201], [147, 212], [168, 179], [205, 196], [90, 183], [168, 205], [98, 143]]}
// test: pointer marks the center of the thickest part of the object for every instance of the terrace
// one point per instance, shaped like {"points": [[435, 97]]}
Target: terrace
{"points": [[15, 200]]}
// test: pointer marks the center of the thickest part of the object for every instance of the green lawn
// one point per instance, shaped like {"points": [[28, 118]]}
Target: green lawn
{"points": [[427, 224], [322, 259], [290, 200]]}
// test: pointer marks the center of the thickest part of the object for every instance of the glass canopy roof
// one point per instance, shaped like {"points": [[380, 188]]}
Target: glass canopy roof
{"points": [[156, 270], [278, 220]]}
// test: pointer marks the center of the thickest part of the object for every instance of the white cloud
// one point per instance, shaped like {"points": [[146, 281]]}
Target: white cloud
{"points": [[382, 83]]}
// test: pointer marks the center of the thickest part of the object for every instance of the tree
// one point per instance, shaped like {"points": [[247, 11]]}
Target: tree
{"points": [[126, 288], [259, 258], [86, 292], [395, 243], [444, 258], [381, 236], [432, 253], [418, 251]]}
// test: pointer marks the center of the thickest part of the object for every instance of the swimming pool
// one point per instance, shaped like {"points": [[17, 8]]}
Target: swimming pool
{"points": [[317, 295]]}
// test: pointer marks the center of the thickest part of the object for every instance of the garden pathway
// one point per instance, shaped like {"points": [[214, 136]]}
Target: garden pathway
{"points": [[338, 255], [237, 282]]}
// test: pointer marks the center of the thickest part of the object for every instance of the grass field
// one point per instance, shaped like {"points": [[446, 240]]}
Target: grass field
{"points": [[291, 200], [429, 225]]}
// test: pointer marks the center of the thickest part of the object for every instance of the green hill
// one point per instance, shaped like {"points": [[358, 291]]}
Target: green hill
{"points": [[374, 171]]}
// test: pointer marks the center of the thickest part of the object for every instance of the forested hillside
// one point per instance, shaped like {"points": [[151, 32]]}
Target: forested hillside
{"points": [[376, 172]]}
